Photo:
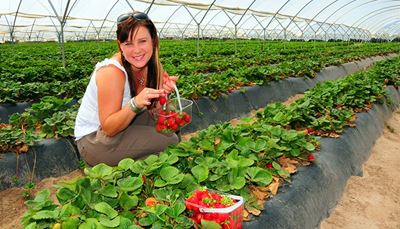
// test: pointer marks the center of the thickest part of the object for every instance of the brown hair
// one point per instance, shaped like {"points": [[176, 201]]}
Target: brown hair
{"points": [[154, 67]]}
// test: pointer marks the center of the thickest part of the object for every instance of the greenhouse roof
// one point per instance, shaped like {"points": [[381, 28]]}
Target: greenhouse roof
{"points": [[265, 19]]}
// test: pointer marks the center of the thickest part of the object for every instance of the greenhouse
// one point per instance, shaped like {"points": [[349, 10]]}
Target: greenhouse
{"points": [[199, 114]]}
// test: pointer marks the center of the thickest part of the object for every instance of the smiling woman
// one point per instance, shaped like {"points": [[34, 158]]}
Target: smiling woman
{"points": [[113, 122]]}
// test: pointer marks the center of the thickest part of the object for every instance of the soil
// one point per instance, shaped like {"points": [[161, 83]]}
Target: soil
{"points": [[373, 200], [370, 201]]}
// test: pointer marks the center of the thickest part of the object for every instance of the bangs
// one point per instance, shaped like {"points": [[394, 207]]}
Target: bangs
{"points": [[128, 28]]}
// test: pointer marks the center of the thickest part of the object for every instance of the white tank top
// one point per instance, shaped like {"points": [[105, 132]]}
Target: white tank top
{"points": [[87, 121]]}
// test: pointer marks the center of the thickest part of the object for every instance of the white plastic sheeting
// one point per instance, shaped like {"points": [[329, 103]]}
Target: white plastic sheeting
{"points": [[264, 19]]}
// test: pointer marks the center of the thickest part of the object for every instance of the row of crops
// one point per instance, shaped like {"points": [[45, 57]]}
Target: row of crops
{"points": [[29, 72], [247, 159], [33, 72]]}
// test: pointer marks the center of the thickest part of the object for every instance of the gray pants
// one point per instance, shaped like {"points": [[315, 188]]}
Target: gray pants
{"points": [[138, 140]]}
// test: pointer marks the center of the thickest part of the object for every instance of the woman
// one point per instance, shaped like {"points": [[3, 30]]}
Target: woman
{"points": [[113, 122]]}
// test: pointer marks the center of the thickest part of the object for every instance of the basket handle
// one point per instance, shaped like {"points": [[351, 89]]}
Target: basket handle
{"points": [[178, 98]]}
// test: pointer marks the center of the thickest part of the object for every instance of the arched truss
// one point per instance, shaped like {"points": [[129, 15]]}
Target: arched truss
{"points": [[204, 16]]}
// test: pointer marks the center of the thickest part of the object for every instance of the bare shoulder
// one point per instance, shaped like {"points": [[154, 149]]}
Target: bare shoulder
{"points": [[110, 72]]}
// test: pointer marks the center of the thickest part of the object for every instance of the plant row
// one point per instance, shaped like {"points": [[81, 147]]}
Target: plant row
{"points": [[25, 79], [52, 117], [246, 160]]}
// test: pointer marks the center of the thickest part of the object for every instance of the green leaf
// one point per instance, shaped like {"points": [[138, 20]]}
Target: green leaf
{"points": [[223, 146], [244, 143], [206, 144], [99, 171], [106, 209], [42, 195], [200, 172], [46, 214], [244, 162], [147, 221], [179, 152], [125, 223], [177, 179], [70, 223], [188, 183], [41, 201], [68, 210], [310, 147], [126, 164], [90, 224], [138, 167], [105, 221], [130, 183], [65, 195], [238, 183], [128, 202], [175, 210], [109, 191], [169, 173], [259, 146], [258, 175], [214, 177], [209, 224], [31, 226], [160, 209], [151, 159], [159, 183]]}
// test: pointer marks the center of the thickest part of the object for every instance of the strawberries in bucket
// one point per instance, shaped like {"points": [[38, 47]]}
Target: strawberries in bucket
{"points": [[209, 207], [172, 114]]}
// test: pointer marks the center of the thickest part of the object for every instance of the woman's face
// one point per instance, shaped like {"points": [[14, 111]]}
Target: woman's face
{"points": [[139, 50]]}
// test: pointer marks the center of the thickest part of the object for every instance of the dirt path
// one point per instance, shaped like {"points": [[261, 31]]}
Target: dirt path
{"points": [[373, 200]]}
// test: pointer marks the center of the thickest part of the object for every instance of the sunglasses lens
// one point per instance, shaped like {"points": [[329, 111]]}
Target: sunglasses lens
{"points": [[136, 15], [140, 16], [122, 18]]}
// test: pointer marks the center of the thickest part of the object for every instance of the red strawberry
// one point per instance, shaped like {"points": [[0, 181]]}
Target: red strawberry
{"points": [[269, 166], [310, 157], [171, 121], [161, 119], [198, 217], [163, 100], [159, 127], [187, 118]]}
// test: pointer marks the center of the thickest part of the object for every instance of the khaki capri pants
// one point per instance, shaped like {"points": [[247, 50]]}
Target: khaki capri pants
{"points": [[137, 141]]}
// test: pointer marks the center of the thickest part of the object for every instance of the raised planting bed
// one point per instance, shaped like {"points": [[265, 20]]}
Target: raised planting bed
{"points": [[239, 103], [243, 160], [19, 170], [315, 190]]}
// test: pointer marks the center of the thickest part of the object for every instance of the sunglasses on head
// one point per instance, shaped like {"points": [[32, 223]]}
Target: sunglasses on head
{"points": [[136, 15]]}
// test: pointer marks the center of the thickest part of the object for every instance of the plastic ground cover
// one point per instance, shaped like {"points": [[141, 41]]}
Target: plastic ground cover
{"points": [[315, 190]]}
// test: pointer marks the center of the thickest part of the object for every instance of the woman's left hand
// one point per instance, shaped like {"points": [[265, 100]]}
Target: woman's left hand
{"points": [[168, 83]]}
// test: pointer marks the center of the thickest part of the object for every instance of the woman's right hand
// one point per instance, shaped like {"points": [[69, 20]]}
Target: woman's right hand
{"points": [[146, 95]]}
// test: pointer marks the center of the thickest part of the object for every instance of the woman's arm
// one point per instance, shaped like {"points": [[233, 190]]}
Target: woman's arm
{"points": [[110, 91]]}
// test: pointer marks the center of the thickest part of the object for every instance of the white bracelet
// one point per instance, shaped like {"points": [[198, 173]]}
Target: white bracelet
{"points": [[134, 107]]}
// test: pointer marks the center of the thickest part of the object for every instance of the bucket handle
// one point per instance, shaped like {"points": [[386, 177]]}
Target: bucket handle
{"points": [[178, 98]]}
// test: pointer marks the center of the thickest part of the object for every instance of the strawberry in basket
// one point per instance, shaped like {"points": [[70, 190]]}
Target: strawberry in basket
{"points": [[172, 115], [211, 207], [171, 121]]}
